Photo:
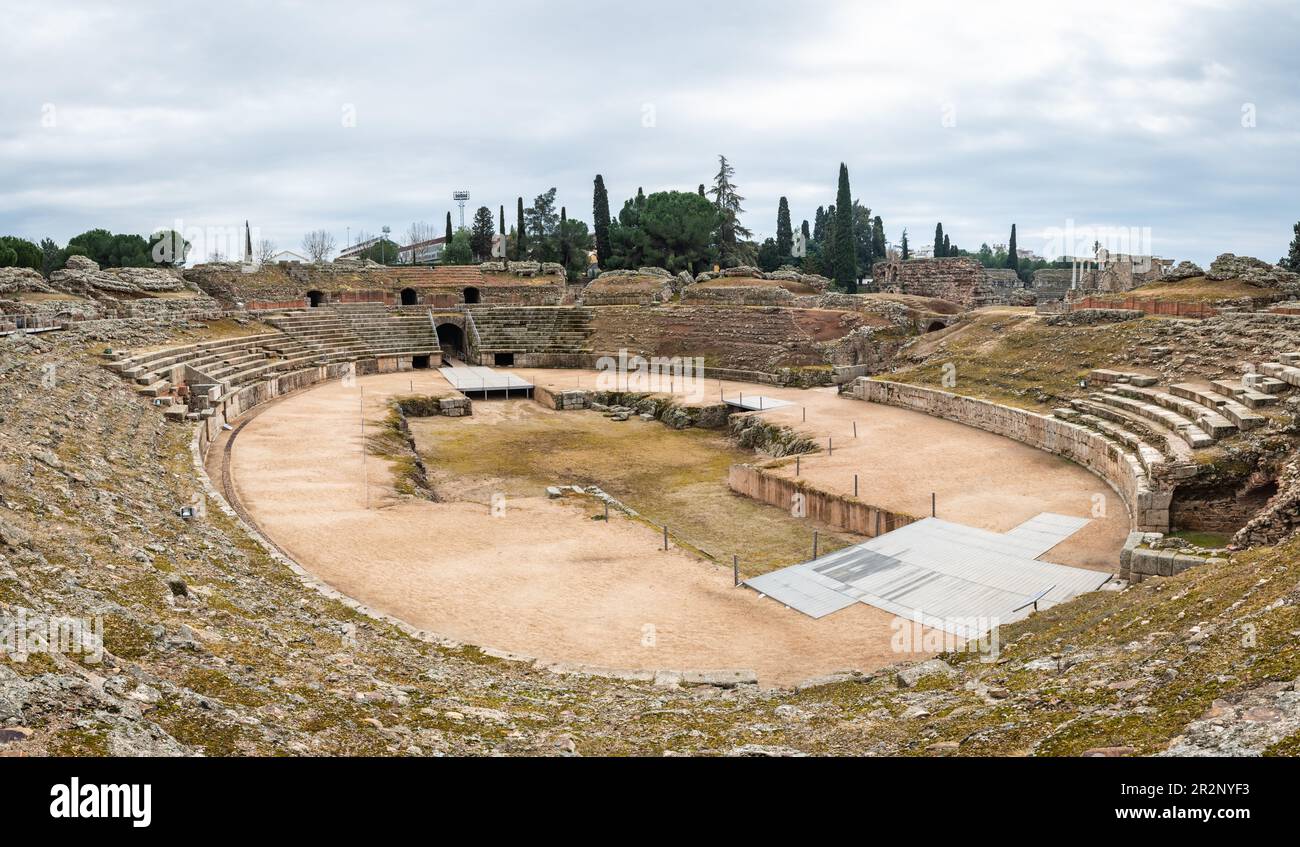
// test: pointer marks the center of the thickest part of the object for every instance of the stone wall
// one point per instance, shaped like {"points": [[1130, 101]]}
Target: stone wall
{"points": [[1148, 505], [742, 338], [959, 280], [837, 510], [645, 287]]}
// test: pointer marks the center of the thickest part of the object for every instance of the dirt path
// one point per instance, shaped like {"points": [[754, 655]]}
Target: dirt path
{"points": [[546, 580]]}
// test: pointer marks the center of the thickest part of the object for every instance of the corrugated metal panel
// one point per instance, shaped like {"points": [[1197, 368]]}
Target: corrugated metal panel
{"points": [[949, 576], [802, 588]]}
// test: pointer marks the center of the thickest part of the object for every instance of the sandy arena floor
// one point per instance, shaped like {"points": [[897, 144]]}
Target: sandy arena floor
{"points": [[546, 580]]}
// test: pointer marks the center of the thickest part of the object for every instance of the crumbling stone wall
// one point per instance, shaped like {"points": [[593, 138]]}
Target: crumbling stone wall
{"points": [[641, 287], [738, 337], [960, 280]]}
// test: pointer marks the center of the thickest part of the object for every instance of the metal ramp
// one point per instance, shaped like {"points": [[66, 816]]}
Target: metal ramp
{"points": [[755, 402], [948, 576], [477, 379]]}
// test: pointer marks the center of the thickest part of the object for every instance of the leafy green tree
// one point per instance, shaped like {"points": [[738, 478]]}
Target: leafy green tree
{"points": [[113, 251], [844, 258], [579, 242], [938, 241], [459, 250], [600, 220], [383, 251], [480, 235], [1292, 259], [769, 255], [669, 229], [25, 253], [8, 256], [863, 247], [784, 233], [540, 218], [51, 256], [731, 234], [1013, 255]]}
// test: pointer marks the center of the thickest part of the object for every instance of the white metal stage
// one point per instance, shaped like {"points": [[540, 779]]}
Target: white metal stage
{"points": [[755, 402], [469, 379], [947, 576]]}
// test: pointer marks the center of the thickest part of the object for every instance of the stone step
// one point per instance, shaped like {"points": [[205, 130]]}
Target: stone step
{"points": [[1109, 376], [1176, 449], [1240, 416], [1285, 373], [1252, 399], [1195, 437], [1212, 422]]}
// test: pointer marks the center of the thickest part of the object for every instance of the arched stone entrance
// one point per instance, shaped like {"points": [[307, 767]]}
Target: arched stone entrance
{"points": [[409, 297], [471, 295], [315, 298]]}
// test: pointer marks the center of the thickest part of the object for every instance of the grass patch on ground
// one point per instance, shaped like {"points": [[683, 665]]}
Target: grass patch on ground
{"points": [[673, 477], [1017, 359], [1193, 289]]}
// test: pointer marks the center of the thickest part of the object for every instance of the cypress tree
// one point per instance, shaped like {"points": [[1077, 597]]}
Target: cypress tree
{"points": [[845, 257], [784, 234], [807, 233], [947, 246], [1013, 255], [501, 217], [600, 212], [878, 238], [448, 244], [907, 253], [938, 241], [521, 236], [819, 225], [701, 189], [564, 239]]}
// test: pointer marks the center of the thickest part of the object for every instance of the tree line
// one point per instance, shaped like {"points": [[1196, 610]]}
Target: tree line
{"points": [[163, 248]]}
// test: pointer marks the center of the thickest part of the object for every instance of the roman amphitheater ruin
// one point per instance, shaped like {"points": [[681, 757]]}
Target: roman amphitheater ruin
{"points": [[348, 507]]}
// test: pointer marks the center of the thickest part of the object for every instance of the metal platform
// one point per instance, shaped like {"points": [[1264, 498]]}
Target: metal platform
{"points": [[948, 576], [755, 402], [476, 379]]}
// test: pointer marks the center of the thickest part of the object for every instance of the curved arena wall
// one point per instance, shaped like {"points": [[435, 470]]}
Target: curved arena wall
{"points": [[1148, 506]]}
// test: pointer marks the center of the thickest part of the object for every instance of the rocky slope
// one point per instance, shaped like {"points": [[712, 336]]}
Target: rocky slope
{"points": [[213, 647]]}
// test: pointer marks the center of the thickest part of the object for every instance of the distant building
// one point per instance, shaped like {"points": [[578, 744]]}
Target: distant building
{"points": [[422, 252], [352, 251], [286, 256]]}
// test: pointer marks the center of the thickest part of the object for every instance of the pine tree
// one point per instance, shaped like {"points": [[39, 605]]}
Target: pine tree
{"points": [[521, 237], [938, 241], [447, 243], [728, 203], [600, 213], [784, 235], [1013, 255], [844, 258], [907, 253], [1292, 260]]}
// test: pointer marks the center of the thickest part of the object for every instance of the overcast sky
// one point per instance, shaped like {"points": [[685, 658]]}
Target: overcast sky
{"points": [[1178, 120]]}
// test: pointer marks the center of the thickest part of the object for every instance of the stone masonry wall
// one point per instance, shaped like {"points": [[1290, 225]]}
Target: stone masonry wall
{"points": [[959, 280], [1148, 506]]}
